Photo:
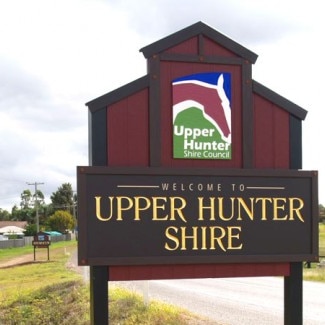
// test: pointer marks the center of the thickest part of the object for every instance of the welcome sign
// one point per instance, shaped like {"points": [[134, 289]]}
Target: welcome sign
{"points": [[158, 216], [202, 116]]}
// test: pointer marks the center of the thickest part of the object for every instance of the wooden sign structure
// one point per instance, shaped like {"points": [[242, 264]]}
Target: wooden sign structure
{"points": [[197, 113], [42, 240]]}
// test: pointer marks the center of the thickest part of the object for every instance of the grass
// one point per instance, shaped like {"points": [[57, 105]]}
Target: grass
{"points": [[315, 273], [62, 303], [128, 308], [45, 292], [34, 276], [7, 254], [48, 292]]}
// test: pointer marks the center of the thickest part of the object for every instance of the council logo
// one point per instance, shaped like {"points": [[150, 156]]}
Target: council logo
{"points": [[202, 116]]}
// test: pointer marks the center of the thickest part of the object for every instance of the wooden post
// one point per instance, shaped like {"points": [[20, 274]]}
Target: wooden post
{"points": [[98, 274], [293, 305], [98, 295]]}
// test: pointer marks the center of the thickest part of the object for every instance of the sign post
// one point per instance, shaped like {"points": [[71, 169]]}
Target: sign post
{"points": [[196, 172], [42, 240]]}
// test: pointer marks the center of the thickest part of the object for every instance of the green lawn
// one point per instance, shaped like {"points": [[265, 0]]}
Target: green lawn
{"points": [[44, 292], [49, 292]]}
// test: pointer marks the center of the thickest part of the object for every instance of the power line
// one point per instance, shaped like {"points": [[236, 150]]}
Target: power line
{"points": [[36, 202]]}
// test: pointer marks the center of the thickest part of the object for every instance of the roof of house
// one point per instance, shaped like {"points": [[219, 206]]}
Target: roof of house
{"points": [[20, 224]]}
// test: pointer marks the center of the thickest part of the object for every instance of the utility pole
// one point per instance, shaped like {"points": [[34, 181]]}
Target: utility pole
{"points": [[36, 203]]}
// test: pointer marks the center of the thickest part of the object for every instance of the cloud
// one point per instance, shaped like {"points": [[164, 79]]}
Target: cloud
{"points": [[249, 21], [56, 55]]}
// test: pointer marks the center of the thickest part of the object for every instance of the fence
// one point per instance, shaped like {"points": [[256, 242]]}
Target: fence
{"points": [[27, 241], [12, 243]]}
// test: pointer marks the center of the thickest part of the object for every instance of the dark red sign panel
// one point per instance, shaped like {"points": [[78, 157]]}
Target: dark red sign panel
{"points": [[162, 216]]}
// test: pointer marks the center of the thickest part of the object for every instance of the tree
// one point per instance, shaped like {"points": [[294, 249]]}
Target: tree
{"points": [[24, 214], [45, 211], [4, 215], [63, 198], [39, 197], [61, 221], [26, 199], [31, 230]]}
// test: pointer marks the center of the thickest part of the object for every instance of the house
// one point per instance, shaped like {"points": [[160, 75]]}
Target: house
{"points": [[12, 227]]}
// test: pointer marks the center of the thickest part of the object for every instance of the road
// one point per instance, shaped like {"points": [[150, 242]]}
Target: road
{"points": [[234, 301], [231, 301]]}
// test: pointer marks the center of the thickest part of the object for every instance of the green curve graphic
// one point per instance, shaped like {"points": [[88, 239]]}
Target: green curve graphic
{"points": [[194, 137]]}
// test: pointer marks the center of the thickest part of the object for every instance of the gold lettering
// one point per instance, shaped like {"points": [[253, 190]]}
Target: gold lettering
{"points": [[172, 238], [193, 236], [98, 210], [277, 207], [197, 238], [121, 208], [221, 209], [231, 235], [204, 238], [263, 201], [242, 203], [138, 207], [213, 238], [156, 206], [208, 207], [296, 209], [174, 209]]}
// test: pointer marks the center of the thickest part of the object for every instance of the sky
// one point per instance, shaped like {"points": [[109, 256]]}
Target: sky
{"points": [[57, 55]]}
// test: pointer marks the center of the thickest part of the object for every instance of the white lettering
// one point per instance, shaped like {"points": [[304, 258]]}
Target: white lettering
{"points": [[192, 132]]}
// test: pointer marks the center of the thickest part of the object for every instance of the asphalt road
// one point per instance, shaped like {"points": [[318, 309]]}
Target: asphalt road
{"points": [[231, 301], [234, 301]]}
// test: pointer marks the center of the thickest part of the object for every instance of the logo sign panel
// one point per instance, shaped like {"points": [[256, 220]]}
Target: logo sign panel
{"points": [[202, 116], [159, 216], [41, 240]]}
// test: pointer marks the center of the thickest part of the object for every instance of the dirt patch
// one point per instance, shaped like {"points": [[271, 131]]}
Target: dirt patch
{"points": [[42, 258], [21, 260]]}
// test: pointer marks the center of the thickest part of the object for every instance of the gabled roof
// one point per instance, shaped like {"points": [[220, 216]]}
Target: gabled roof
{"points": [[179, 37], [194, 30], [20, 224], [278, 100], [118, 94]]}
